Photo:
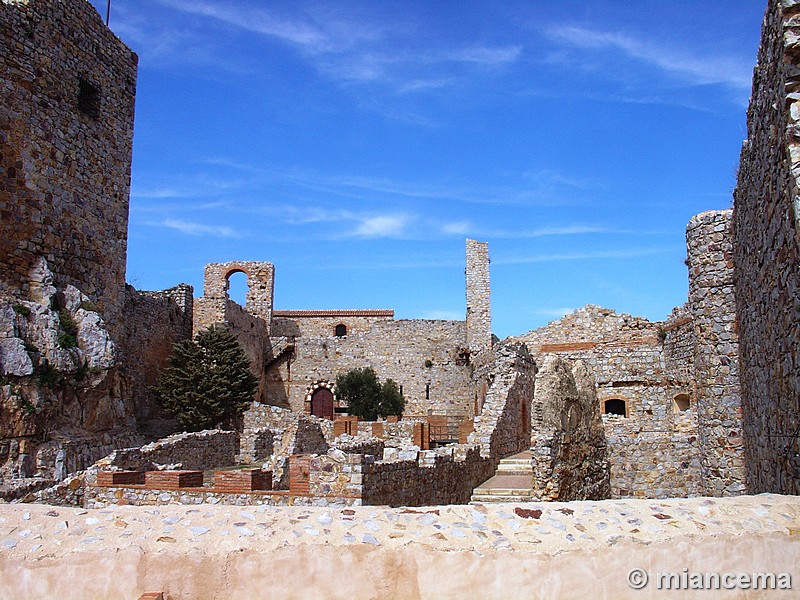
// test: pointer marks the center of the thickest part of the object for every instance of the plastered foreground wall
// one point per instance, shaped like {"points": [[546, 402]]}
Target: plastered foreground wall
{"points": [[506, 551]]}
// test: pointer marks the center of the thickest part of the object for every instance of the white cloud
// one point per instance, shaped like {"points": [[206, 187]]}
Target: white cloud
{"points": [[697, 71], [198, 229], [382, 226], [457, 228]]}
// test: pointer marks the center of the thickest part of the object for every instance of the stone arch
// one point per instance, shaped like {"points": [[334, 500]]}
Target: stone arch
{"points": [[231, 273], [311, 390], [260, 280]]}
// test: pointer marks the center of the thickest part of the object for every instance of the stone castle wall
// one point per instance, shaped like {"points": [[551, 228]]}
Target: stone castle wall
{"points": [[68, 87], [323, 323], [766, 256], [421, 356], [154, 321], [716, 365]]}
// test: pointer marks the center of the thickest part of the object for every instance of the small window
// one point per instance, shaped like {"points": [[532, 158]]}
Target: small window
{"points": [[615, 406], [340, 330], [682, 402], [89, 98], [427, 391]]}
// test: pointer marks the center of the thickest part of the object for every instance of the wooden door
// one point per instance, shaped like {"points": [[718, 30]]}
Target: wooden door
{"points": [[322, 403]]}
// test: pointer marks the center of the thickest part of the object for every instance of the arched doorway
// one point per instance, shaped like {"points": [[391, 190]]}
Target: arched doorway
{"points": [[322, 403]]}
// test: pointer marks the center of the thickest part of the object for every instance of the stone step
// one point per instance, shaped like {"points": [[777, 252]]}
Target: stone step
{"points": [[497, 491], [481, 499]]}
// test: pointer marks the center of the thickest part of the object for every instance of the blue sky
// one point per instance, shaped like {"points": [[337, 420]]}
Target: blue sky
{"points": [[356, 144]]}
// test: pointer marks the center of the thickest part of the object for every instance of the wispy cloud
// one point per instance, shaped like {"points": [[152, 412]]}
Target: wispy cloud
{"points": [[199, 229], [695, 70], [349, 49], [610, 254], [382, 226]]}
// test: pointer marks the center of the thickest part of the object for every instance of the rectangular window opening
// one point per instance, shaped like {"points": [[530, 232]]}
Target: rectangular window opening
{"points": [[89, 98]]}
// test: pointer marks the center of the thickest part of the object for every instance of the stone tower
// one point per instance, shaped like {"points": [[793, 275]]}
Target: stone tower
{"points": [[479, 316], [66, 130], [716, 361]]}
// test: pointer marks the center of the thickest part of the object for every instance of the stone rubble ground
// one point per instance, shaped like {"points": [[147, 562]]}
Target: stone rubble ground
{"points": [[34, 532]]}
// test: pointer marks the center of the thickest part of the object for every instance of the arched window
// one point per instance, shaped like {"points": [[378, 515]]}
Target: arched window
{"points": [[615, 406], [682, 402], [237, 287], [340, 330]]}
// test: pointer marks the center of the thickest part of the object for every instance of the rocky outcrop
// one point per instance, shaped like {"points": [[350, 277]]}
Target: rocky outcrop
{"points": [[59, 382]]}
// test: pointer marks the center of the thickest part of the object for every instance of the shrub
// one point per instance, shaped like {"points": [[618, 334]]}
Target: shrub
{"points": [[366, 397], [207, 380]]}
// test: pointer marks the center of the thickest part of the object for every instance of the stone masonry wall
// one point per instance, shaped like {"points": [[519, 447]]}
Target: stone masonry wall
{"points": [[716, 364], [646, 365], [195, 450], [322, 323], [213, 310], [567, 442], [479, 315], [766, 257], [66, 126], [424, 357], [154, 322]]}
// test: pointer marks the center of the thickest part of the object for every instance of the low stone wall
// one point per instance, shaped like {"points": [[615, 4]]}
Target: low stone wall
{"points": [[60, 458], [492, 552], [97, 498], [442, 476], [197, 450]]}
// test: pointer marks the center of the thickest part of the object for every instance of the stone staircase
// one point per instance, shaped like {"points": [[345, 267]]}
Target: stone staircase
{"points": [[512, 482]]}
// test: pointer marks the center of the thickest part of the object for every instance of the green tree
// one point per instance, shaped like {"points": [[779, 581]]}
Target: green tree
{"points": [[366, 397], [207, 380]]}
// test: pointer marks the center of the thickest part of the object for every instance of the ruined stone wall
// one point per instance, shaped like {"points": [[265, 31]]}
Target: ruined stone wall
{"points": [[259, 299], [766, 257], [679, 344], [322, 323], [194, 450], [66, 126], [716, 364], [479, 315], [647, 366], [567, 441], [154, 322], [424, 357]]}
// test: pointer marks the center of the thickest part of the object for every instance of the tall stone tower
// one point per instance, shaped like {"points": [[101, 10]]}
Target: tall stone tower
{"points": [[66, 130], [716, 363], [479, 315]]}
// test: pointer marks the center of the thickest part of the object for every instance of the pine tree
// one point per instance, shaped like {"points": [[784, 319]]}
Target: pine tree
{"points": [[207, 380], [366, 397]]}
